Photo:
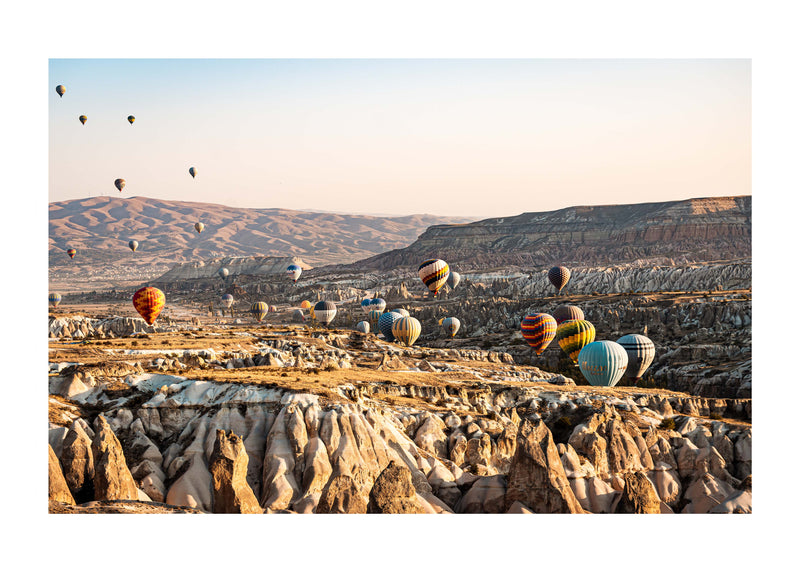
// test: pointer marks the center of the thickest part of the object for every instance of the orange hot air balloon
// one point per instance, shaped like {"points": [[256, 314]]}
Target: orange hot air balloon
{"points": [[72, 252], [149, 302]]}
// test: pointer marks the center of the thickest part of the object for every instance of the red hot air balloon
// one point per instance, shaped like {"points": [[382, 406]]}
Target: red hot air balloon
{"points": [[72, 252], [149, 302], [539, 330]]}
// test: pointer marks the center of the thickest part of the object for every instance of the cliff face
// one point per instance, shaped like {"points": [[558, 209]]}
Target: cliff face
{"points": [[694, 230]]}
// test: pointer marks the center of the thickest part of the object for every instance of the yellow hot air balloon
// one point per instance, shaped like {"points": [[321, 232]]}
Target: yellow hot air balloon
{"points": [[131, 119], [60, 89], [82, 119]]}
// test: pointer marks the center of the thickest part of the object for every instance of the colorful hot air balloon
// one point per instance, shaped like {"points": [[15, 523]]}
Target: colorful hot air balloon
{"points": [[259, 310], [54, 298], [402, 311], [603, 363], [83, 119], [324, 311], [60, 89], [192, 172], [434, 274], [72, 252], [573, 335], [133, 245], [641, 352], [559, 276], [453, 279], [131, 119], [406, 330], [539, 330], [365, 305], [305, 304], [223, 273], [377, 304], [120, 184], [363, 327], [294, 272], [199, 226], [374, 316], [451, 326], [272, 309], [298, 316], [227, 300], [566, 312], [149, 302], [385, 322]]}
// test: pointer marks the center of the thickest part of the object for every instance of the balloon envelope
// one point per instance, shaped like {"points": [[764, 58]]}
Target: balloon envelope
{"points": [[294, 272], [402, 311], [377, 304], [223, 273], [573, 335], [559, 276], [324, 311], [71, 252], [192, 172], [385, 322], [60, 89], [131, 119], [82, 119], [566, 312], [641, 351], [406, 330], [149, 302], [374, 316], [538, 330], [434, 274], [259, 310], [54, 298], [227, 300], [305, 304], [120, 184], [133, 245], [363, 327], [453, 279], [451, 326], [603, 363], [298, 316], [365, 305], [199, 226]]}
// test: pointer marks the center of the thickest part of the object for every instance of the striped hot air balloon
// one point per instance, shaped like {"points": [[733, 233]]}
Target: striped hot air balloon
{"points": [[149, 302], [573, 335], [71, 252], [363, 327], [305, 305], [451, 326], [377, 304], [565, 312], [227, 300], [324, 312], [539, 330], [374, 316], [259, 310], [385, 322], [559, 276], [603, 363], [434, 274], [406, 330], [294, 272], [641, 352], [54, 298], [365, 305]]}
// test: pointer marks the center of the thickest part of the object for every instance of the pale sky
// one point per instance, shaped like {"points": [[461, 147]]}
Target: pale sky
{"points": [[467, 137]]}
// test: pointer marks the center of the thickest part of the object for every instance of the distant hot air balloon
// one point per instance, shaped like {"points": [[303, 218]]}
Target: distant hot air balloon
{"points": [[72, 252], [402, 311], [374, 316], [603, 363], [365, 305], [559, 276], [305, 304], [377, 304], [60, 89], [298, 316], [324, 312], [192, 172], [120, 184], [83, 119], [227, 300], [453, 279], [131, 119], [223, 273], [539, 330], [406, 330], [566, 312], [573, 335], [133, 245], [451, 326], [54, 298], [259, 310], [149, 302], [199, 226], [272, 309], [641, 352], [434, 274], [294, 272], [385, 322], [363, 327]]}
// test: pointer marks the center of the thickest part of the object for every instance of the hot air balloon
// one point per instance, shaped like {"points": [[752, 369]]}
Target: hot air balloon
{"points": [[305, 304], [453, 279], [451, 326], [363, 327], [133, 245], [406, 330], [227, 300], [199, 226], [294, 272], [120, 184], [539, 330], [324, 312], [365, 305], [72, 252], [223, 273], [434, 274], [131, 119], [573, 335], [60, 89], [566, 312], [402, 311], [83, 119], [603, 363], [641, 351], [385, 322], [54, 298], [192, 172], [272, 309], [559, 276], [149, 302], [259, 310], [374, 316], [298, 316], [377, 304]]}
